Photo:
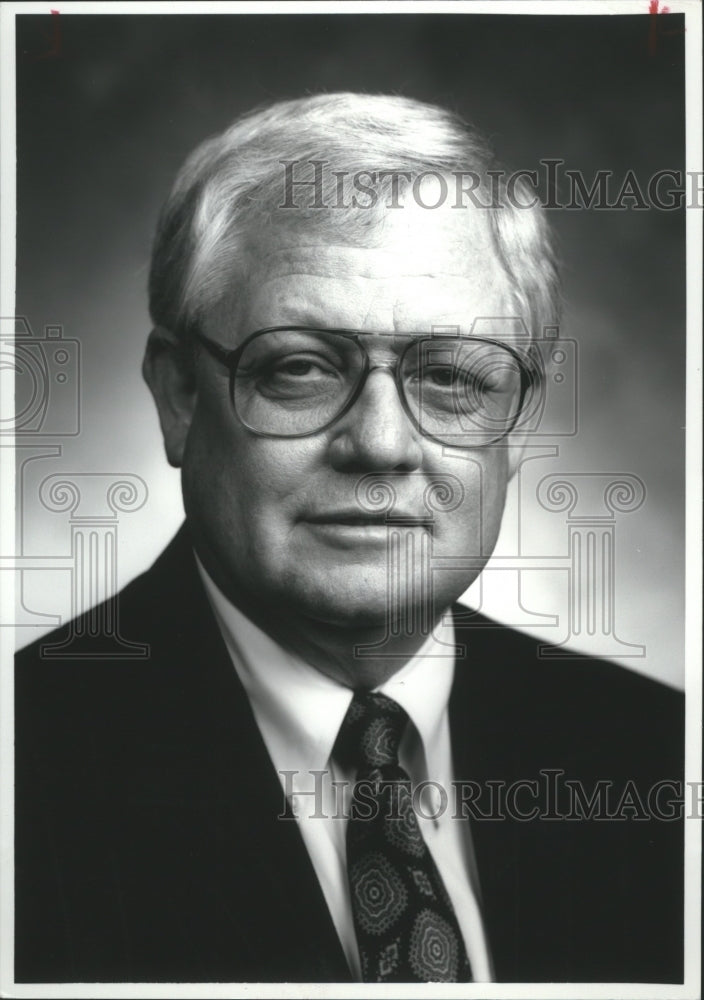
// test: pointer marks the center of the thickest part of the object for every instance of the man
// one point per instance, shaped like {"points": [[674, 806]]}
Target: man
{"points": [[342, 359]]}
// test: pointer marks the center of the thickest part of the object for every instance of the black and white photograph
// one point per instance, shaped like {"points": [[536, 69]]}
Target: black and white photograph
{"points": [[351, 497]]}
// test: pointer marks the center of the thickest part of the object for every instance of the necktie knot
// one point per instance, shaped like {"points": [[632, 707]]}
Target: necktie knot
{"points": [[371, 732]]}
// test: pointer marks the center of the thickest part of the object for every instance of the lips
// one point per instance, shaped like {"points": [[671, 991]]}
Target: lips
{"points": [[347, 517], [363, 519]]}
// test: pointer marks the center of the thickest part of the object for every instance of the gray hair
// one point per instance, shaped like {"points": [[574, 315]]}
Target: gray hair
{"points": [[233, 186]]}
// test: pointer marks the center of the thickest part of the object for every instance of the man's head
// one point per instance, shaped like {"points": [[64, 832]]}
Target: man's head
{"points": [[279, 487]]}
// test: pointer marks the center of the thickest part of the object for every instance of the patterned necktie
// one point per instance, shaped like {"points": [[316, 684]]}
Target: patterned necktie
{"points": [[407, 931]]}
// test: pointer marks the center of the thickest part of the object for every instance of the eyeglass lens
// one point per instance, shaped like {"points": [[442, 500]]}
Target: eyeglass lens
{"points": [[460, 391]]}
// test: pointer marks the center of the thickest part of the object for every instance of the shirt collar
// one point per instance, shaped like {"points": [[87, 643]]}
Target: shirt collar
{"points": [[300, 710]]}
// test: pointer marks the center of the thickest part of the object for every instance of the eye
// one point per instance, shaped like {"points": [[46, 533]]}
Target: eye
{"points": [[299, 367], [441, 377], [295, 377], [434, 377]]}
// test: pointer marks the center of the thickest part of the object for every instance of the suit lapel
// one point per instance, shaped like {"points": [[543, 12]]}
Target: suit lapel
{"points": [[475, 760], [266, 884], [518, 873]]}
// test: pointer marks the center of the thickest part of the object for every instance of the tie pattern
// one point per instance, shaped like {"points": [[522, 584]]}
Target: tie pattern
{"points": [[406, 927]]}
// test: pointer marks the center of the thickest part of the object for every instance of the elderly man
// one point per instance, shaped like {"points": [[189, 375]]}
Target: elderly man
{"points": [[345, 302]]}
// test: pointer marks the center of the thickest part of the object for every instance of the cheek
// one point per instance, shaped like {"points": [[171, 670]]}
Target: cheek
{"points": [[241, 489], [476, 491], [465, 537]]}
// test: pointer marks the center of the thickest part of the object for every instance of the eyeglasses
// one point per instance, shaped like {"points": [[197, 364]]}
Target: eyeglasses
{"points": [[291, 382]]}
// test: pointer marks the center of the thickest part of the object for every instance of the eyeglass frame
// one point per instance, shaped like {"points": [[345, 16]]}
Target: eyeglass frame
{"points": [[530, 374]]}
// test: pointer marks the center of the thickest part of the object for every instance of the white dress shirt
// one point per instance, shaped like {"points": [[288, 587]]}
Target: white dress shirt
{"points": [[299, 712]]}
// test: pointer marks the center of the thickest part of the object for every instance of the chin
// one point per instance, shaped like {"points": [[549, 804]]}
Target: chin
{"points": [[363, 611], [357, 595], [339, 602]]}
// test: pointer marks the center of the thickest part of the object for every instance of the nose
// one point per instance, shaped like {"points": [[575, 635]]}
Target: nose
{"points": [[376, 434]]}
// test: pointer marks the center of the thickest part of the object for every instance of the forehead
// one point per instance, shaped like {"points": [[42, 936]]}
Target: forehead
{"points": [[422, 268]]}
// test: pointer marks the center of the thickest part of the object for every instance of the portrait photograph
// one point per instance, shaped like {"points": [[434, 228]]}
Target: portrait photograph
{"points": [[350, 546]]}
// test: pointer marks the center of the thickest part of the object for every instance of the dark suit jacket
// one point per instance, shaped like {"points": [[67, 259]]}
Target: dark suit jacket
{"points": [[149, 848]]}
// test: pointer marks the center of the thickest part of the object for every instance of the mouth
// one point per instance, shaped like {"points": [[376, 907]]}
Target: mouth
{"points": [[352, 529], [356, 519]]}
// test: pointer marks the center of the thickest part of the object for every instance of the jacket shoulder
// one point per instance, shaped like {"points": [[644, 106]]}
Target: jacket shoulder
{"points": [[555, 700], [124, 626]]}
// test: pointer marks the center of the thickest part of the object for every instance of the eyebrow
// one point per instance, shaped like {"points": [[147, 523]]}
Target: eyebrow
{"points": [[378, 334]]}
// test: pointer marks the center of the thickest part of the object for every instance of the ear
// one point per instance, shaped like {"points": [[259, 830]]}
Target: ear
{"points": [[170, 375]]}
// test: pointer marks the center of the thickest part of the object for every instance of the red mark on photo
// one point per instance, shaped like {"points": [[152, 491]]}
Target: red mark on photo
{"points": [[54, 50], [654, 9]]}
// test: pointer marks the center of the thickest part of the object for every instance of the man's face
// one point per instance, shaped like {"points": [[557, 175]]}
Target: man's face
{"points": [[278, 519]]}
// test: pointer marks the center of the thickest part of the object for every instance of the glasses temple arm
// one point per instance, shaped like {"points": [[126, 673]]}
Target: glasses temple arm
{"points": [[220, 353]]}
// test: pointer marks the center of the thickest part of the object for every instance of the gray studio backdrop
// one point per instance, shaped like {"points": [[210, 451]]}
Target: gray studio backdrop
{"points": [[108, 106]]}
